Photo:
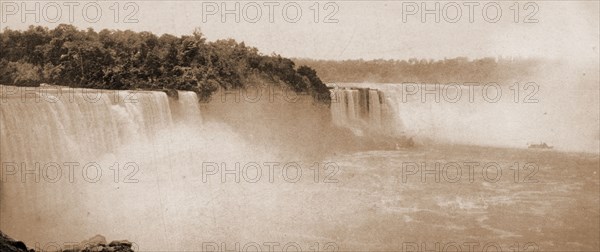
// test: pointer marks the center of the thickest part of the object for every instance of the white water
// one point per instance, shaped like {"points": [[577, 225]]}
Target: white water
{"points": [[55, 126], [165, 205], [567, 119], [48, 135], [364, 111], [128, 165]]}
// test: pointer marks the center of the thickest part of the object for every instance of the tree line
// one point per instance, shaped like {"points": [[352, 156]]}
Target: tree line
{"points": [[115, 59], [455, 70]]}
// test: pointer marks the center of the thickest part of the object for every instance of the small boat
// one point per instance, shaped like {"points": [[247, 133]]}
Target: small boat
{"points": [[540, 146]]}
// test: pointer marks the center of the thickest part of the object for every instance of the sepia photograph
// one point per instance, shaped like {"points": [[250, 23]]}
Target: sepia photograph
{"points": [[299, 125]]}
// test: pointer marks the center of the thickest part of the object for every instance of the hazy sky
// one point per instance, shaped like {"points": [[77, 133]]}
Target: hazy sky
{"points": [[364, 29]]}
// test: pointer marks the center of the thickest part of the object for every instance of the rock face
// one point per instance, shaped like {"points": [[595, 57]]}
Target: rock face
{"points": [[95, 244], [98, 244], [9, 245]]}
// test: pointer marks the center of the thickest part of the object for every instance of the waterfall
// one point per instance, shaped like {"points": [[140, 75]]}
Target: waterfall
{"points": [[186, 107], [52, 124], [374, 111], [362, 110], [128, 164], [473, 115], [158, 144], [55, 141]]}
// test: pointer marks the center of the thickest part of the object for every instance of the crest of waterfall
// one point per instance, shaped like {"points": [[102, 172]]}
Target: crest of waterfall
{"points": [[186, 107], [365, 111], [66, 124]]}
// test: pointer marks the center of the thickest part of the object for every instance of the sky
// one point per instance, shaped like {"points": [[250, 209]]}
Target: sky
{"points": [[345, 30]]}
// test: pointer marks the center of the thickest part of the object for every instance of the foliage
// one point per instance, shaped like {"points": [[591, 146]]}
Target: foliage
{"points": [[114, 59]]}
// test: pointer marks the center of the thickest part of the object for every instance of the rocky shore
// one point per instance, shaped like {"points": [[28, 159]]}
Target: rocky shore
{"points": [[97, 243]]}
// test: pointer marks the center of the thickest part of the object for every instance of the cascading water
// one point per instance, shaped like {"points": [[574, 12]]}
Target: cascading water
{"points": [[61, 147], [473, 115], [186, 107], [105, 119], [129, 165], [364, 111], [102, 119]]}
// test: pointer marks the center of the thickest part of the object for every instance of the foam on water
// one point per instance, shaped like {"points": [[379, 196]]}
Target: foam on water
{"points": [[564, 118], [160, 201]]}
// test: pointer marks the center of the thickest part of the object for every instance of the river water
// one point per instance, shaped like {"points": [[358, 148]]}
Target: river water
{"points": [[174, 174]]}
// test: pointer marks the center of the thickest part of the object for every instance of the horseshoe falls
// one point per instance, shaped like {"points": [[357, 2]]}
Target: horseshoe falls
{"points": [[469, 115]]}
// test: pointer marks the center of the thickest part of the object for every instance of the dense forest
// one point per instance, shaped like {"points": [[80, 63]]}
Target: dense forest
{"points": [[456, 70], [114, 59]]}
